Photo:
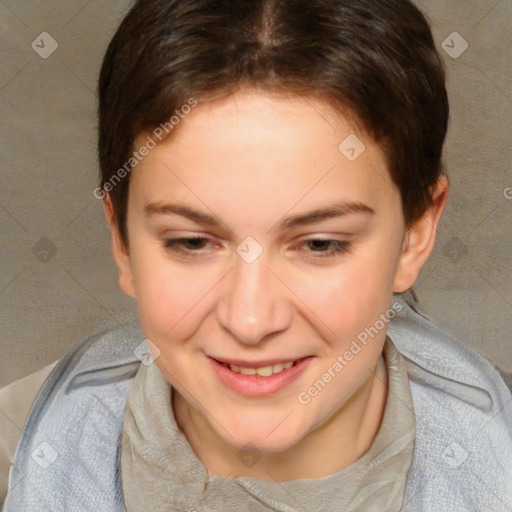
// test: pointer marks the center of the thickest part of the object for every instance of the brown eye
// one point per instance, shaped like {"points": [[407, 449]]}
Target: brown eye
{"points": [[324, 248], [187, 246]]}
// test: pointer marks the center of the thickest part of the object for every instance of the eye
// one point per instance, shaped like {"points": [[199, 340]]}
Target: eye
{"points": [[187, 246], [324, 248], [319, 248]]}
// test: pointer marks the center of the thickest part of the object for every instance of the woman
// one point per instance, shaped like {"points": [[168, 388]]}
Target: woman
{"points": [[272, 177]]}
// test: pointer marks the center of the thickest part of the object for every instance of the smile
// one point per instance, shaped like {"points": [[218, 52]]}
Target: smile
{"points": [[262, 371], [259, 379]]}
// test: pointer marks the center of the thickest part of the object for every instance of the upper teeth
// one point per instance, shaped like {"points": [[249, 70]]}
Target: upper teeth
{"points": [[263, 371]]}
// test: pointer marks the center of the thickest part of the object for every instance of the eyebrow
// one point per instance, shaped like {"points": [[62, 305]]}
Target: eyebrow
{"points": [[302, 219]]}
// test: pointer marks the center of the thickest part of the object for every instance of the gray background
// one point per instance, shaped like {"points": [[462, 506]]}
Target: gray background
{"points": [[58, 281]]}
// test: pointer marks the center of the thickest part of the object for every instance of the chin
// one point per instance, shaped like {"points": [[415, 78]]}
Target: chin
{"points": [[263, 438]]}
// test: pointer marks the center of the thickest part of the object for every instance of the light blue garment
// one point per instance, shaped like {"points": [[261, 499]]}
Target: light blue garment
{"points": [[68, 457]]}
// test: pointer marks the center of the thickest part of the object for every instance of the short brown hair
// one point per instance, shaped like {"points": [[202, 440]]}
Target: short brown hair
{"points": [[374, 58]]}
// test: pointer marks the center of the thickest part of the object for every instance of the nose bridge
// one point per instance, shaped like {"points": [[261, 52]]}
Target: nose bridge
{"points": [[253, 303]]}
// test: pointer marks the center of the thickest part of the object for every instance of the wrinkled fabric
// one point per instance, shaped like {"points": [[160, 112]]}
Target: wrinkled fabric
{"points": [[15, 403], [157, 458], [69, 455]]}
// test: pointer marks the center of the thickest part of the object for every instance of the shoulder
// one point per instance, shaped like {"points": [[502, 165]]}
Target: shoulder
{"points": [[463, 411], [16, 400], [53, 397], [441, 362]]}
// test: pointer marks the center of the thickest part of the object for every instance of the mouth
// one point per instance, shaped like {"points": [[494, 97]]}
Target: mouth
{"points": [[261, 379], [262, 369]]}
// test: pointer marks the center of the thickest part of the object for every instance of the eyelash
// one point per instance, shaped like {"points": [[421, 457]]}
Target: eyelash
{"points": [[176, 245]]}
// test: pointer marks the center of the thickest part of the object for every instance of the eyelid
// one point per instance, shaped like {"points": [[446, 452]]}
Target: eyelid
{"points": [[340, 247], [304, 238]]}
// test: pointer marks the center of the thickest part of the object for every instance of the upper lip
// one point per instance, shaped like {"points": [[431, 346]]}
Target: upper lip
{"points": [[257, 364]]}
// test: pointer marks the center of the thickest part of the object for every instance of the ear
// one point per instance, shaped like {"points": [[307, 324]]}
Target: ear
{"points": [[419, 239], [119, 250]]}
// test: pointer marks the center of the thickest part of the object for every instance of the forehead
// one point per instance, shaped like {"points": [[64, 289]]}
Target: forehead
{"points": [[268, 149], [251, 116]]}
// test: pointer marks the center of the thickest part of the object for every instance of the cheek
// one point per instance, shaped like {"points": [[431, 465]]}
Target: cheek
{"points": [[340, 300], [350, 297], [168, 295]]}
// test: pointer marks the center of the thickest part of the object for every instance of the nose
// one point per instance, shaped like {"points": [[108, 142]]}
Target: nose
{"points": [[254, 302]]}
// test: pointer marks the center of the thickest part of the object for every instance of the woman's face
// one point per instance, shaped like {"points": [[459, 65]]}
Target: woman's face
{"points": [[263, 233]]}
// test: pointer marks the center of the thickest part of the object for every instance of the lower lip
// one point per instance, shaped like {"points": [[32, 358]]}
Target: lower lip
{"points": [[256, 386]]}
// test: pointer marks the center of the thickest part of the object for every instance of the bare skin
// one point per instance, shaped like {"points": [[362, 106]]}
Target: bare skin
{"points": [[251, 160]]}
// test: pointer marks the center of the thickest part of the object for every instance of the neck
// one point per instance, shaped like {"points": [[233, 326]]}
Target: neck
{"points": [[330, 448]]}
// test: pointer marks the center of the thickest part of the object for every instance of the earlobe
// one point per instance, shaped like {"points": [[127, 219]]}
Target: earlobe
{"points": [[119, 250], [420, 238]]}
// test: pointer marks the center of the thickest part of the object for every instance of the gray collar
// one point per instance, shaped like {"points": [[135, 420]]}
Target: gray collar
{"points": [[160, 471]]}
